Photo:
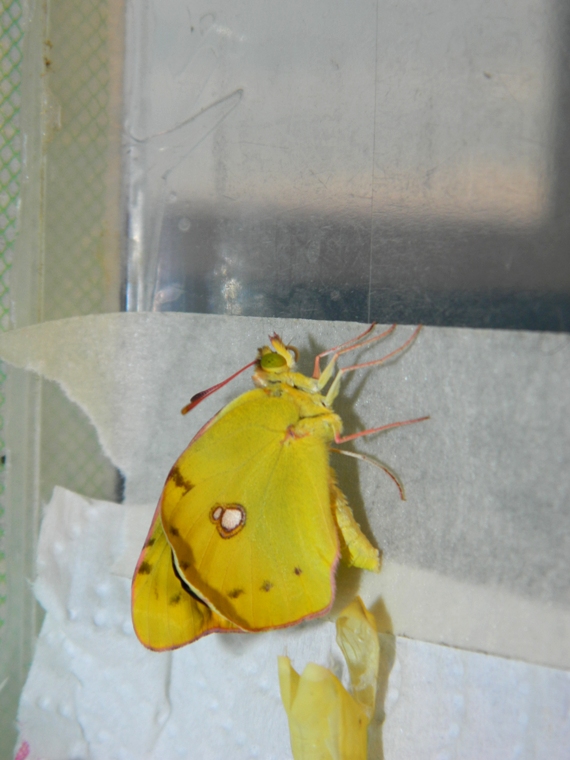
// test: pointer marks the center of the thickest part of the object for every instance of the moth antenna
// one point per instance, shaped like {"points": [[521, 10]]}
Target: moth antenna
{"points": [[201, 395], [381, 466]]}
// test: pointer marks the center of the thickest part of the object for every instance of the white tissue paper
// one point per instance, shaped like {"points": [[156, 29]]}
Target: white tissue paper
{"points": [[95, 693]]}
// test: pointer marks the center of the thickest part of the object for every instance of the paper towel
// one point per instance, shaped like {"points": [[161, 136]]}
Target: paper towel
{"points": [[94, 693]]}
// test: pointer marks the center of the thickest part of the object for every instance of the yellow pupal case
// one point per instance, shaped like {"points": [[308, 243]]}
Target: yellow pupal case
{"points": [[325, 721]]}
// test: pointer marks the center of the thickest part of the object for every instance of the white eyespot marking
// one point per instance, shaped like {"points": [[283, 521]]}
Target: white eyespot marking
{"points": [[229, 519]]}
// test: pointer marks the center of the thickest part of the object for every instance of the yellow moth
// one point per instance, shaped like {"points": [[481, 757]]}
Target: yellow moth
{"points": [[251, 522]]}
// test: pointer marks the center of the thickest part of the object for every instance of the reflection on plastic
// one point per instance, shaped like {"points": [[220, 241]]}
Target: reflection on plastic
{"points": [[391, 165], [155, 158]]}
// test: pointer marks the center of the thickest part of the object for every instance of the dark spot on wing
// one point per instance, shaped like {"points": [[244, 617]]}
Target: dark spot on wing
{"points": [[150, 541], [180, 481], [184, 565], [297, 570], [266, 586], [145, 568], [175, 599], [174, 530], [235, 593]]}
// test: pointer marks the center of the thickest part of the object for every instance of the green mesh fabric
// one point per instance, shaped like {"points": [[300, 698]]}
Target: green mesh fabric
{"points": [[76, 272], [74, 276], [77, 84], [10, 74], [77, 80]]}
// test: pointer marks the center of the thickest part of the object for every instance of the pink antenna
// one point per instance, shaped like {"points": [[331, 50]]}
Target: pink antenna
{"points": [[197, 397]]}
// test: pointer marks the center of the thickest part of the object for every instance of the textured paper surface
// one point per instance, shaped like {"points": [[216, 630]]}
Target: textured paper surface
{"points": [[477, 557], [95, 692]]}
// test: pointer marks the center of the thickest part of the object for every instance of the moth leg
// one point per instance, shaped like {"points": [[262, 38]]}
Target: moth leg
{"points": [[333, 391], [356, 549], [377, 463], [350, 345]]}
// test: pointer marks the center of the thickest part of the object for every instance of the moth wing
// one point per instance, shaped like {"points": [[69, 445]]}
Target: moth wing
{"points": [[165, 614], [247, 512]]}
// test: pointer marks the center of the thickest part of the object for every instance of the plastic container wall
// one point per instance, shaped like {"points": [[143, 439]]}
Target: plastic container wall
{"points": [[63, 71], [362, 160], [390, 161]]}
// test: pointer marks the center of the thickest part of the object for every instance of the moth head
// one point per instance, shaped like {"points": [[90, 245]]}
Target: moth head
{"points": [[277, 358]]}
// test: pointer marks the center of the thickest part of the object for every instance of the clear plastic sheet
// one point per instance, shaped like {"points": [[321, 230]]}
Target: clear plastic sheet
{"points": [[391, 161]]}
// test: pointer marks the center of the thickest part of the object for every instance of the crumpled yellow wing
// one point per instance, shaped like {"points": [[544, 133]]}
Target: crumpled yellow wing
{"points": [[165, 614]]}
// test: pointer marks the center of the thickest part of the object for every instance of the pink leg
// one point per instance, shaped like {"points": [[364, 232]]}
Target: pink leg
{"points": [[345, 438], [350, 345], [375, 362]]}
